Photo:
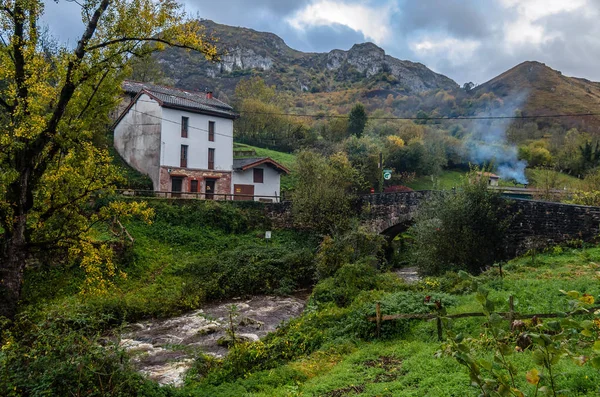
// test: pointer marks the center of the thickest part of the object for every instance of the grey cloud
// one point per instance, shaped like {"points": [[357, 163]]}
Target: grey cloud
{"points": [[460, 18], [254, 14], [575, 51], [326, 38]]}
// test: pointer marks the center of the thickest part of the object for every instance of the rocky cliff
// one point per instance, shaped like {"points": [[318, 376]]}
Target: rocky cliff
{"points": [[248, 52]]}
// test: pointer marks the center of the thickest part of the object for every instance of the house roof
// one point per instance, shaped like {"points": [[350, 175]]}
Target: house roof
{"points": [[193, 101], [251, 162], [488, 174]]}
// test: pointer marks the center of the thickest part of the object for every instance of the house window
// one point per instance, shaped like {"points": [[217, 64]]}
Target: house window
{"points": [[184, 156], [211, 131], [211, 159], [258, 175], [194, 186], [184, 127]]}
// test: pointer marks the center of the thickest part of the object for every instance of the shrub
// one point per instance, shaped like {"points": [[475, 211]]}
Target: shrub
{"points": [[59, 357], [460, 230], [250, 270], [347, 248], [349, 281]]}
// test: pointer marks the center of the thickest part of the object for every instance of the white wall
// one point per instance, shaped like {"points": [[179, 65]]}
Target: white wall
{"points": [[137, 137], [197, 140], [270, 186]]}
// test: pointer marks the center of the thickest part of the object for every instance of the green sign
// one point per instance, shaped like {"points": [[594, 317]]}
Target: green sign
{"points": [[387, 174]]}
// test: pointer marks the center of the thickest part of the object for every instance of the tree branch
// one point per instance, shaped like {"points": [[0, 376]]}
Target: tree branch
{"points": [[96, 88], [69, 87], [140, 39], [5, 105], [17, 47]]}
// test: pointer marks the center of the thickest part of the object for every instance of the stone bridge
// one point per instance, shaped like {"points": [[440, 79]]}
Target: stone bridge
{"points": [[538, 222]]}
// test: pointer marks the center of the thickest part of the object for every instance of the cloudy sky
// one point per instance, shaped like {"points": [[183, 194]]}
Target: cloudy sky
{"points": [[467, 40]]}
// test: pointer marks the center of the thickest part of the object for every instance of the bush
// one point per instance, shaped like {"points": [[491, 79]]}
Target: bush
{"points": [[348, 248], [58, 357], [226, 216], [349, 281], [460, 230], [251, 270]]}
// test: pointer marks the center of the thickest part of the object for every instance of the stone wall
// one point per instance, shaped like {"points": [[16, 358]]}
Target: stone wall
{"points": [[534, 223], [386, 213], [539, 223], [222, 180]]}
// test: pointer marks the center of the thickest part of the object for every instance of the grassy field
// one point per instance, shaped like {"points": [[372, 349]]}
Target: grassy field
{"points": [[537, 178], [446, 180], [288, 160], [549, 178], [407, 365]]}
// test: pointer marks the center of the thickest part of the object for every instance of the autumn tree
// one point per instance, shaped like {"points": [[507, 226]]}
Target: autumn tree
{"points": [[53, 102], [322, 199], [264, 122]]}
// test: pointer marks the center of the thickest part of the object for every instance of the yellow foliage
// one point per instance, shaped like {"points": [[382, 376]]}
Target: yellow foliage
{"points": [[533, 376], [395, 141], [56, 105]]}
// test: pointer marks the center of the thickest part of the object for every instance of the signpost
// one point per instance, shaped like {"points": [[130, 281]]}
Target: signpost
{"points": [[387, 174]]}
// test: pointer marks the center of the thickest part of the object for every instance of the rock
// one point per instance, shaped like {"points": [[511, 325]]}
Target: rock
{"points": [[164, 349], [246, 321], [227, 341], [209, 329]]}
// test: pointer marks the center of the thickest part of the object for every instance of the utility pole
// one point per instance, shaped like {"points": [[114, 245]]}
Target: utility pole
{"points": [[380, 177]]}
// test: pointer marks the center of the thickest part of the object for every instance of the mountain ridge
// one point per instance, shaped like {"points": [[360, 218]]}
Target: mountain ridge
{"points": [[249, 52], [332, 81]]}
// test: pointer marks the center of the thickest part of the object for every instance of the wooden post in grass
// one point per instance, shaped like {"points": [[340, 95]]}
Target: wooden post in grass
{"points": [[378, 315], [511, 309], [439, 320]]}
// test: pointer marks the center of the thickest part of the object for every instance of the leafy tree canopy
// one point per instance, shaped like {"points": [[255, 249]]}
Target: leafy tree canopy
{"points": [[357, 120], [325, 187], [54, 103], [461, 230]]}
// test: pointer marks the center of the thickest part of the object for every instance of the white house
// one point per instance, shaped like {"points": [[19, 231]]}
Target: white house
{"points": [[183, 140], [258, 177]]}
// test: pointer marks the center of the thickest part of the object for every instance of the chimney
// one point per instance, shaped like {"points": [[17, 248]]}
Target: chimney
{"points": [[209, 95]]}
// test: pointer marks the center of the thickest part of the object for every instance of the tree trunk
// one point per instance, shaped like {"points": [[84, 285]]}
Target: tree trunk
{"points": [[12, 265]]}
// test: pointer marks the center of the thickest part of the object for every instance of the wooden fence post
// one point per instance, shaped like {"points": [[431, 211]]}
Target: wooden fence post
{"points": [[378, 315], [511, 310]]}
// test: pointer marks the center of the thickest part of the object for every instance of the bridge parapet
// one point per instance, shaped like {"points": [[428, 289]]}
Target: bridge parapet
{"points": [[533, 222], [388, 212]]}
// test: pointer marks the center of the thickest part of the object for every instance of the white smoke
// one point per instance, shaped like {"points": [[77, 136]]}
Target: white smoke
{"points": [[487, 143]]}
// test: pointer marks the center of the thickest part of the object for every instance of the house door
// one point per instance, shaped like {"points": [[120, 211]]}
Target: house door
{"points": [[210, 189], [245, 191], [176, 185]]}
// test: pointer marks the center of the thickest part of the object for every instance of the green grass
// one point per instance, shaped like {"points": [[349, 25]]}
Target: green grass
{"points": [[446, 180], [407, 366], [549, 178], [288, 160], [536, 177]]}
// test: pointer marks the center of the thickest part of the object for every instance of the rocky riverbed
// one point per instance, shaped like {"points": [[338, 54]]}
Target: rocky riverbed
{"points": [[164, 349]]}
